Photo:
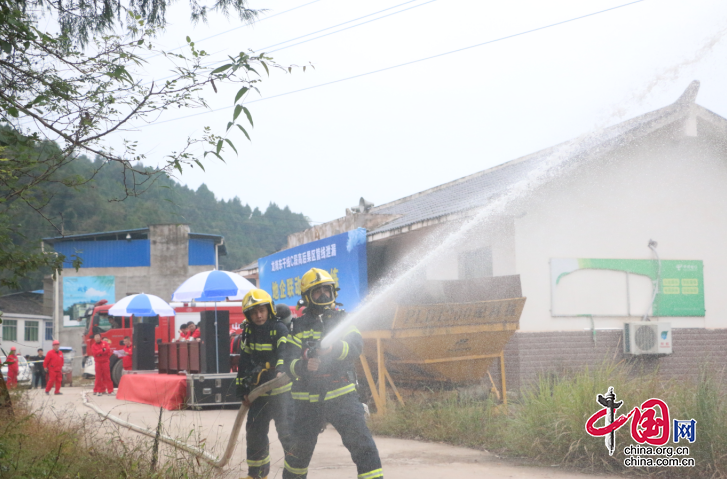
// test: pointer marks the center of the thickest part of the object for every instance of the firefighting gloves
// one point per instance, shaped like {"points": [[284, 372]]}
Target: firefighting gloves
{"points": [[243, 388]]}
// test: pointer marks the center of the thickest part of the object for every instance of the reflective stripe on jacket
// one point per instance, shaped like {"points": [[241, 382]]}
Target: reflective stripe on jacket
{"points": [[334, 377], [263, 344]]}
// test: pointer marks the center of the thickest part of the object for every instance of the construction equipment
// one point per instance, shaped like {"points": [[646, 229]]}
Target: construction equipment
{"points": [[430, 341]]}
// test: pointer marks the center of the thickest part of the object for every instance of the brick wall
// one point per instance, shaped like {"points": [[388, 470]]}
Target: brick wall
{"points": [[529, 354]]}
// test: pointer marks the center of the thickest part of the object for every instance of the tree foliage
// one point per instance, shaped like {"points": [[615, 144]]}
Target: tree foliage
{"points": [[63, 95], [79, 20]]}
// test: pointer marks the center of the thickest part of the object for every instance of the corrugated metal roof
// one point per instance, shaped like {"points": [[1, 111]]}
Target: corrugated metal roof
{"points": [[476, 190], [247, 267], [136, 233], [89, 236]]}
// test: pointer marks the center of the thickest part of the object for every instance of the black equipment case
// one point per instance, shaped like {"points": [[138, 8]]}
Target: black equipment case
{"points": [[211, 390]]}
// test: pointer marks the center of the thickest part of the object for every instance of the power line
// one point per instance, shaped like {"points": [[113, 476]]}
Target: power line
{"points": [[264, 49], [347, 28], [241, 26], [405, 63], [244, 25]]}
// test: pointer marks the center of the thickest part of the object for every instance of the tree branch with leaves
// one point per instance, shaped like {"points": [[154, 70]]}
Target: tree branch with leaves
{"points": [[80, 93]]}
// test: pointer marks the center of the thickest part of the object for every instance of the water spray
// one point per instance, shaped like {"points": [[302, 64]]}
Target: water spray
{"points": [[568, 156], [550, 167]]}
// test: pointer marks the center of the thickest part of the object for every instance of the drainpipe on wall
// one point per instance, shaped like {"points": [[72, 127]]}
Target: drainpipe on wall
{"points": [[652, 246], [56, 302], [217, 260], [56, 293]]}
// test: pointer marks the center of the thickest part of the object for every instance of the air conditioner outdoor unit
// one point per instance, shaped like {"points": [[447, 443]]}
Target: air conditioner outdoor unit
{"points": [[647, 338]]}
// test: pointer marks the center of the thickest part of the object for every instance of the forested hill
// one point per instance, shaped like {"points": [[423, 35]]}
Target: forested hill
{"points": [[249, 233]]}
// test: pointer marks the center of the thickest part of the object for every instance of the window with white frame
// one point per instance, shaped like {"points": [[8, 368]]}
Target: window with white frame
{"points": [[10, 330], [31, 331]]}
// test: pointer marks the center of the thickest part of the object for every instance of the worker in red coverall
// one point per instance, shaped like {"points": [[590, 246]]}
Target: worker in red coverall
{"points": [[53, 365], [127, 358], [101, 352], [194, 332], [12, 362], [183, 332]]}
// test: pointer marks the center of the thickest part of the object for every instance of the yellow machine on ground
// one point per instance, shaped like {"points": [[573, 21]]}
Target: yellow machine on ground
{"points": [[448, 343]]}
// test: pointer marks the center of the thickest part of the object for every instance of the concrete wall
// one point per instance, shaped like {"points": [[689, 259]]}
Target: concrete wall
{"points": [[499, 235], [341, 225]]}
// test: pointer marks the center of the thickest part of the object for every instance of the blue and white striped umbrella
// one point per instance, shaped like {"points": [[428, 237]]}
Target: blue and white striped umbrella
{"points": [[212, 286], [141, 305]]}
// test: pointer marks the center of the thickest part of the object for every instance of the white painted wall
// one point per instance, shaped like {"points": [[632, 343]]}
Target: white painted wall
{"points": [[671, 190], [499, 235]]}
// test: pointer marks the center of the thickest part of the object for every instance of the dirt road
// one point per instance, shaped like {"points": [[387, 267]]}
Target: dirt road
{"points": [[402, 459]]}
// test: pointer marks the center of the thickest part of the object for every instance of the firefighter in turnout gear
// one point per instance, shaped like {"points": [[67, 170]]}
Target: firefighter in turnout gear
{"points": [[262, 346], [325, 383]]}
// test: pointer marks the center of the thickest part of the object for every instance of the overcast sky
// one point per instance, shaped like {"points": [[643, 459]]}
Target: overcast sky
{"points": [[398, 132]]}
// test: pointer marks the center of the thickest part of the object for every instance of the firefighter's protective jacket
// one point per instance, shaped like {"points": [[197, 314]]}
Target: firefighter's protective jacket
{"points": [[263, 345], [336, 374]]}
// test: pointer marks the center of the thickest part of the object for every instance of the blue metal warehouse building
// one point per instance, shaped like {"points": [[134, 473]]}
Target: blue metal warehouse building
{"points": [[154, 260]]}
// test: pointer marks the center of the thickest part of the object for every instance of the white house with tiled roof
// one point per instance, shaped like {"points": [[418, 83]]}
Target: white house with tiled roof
{"points": [[589, 226]]}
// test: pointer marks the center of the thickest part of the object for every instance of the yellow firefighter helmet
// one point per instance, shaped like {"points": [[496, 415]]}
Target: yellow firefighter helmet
{"points": [[311, 280], [256, 297]]}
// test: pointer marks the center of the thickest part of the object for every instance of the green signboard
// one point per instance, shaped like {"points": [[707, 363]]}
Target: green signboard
{"points": [[681, 282]]}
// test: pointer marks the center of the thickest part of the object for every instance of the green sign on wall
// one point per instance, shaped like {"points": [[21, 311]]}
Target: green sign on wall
{"points": [[681, 282]]}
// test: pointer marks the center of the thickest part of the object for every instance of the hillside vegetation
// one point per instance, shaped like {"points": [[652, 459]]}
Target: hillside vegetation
{"points": [[98, 206]]}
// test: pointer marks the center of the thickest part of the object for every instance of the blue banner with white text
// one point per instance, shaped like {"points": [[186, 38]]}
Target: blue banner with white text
{"points": [[343, 256]]}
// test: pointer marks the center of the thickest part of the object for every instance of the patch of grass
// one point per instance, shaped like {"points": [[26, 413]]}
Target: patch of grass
{"points": [[34, 445], [442, 418], [547, 422], [705, 401]]}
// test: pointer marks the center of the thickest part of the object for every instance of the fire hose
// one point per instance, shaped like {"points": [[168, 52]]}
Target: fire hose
{"points": [[204, 455]]}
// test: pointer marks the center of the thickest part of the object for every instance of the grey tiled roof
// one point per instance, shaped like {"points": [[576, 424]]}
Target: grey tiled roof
{"points": [[22, 303], [477, 189]]}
